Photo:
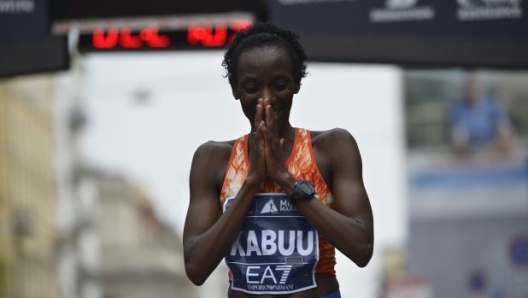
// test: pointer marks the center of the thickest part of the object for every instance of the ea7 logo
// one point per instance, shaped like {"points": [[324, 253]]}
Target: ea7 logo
{"points": [[400, 4], [255, 274], [285, 272]]}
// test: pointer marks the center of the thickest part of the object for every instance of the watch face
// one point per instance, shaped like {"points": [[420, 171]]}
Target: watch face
{"points": [[306, 187], [303, 189]]}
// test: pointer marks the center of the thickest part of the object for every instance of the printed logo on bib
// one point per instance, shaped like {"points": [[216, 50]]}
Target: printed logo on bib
{"points": [[269, 207], [276, 250]]}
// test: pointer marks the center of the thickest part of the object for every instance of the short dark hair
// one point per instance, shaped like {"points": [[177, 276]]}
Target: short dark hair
{"points": [[265, 34]]}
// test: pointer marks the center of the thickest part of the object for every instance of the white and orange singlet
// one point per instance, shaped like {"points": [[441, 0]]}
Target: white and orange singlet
{"points": [[277, 251]]}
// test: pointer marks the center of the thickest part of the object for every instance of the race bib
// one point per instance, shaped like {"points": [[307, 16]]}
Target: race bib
{"points": [[276, 250]]}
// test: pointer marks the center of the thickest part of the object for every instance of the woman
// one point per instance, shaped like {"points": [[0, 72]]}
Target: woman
{"points": [[275, 202]]}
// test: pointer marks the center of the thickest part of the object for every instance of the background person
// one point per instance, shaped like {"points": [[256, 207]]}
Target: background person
{"points": [[479, 122]]}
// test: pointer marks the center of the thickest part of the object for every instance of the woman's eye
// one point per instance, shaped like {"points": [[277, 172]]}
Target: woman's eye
{"points": [[281, 87], [250, 89]]}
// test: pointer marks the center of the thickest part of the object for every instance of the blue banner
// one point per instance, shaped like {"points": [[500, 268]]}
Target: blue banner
{"points": [[461, 18], [276, 250], [23, 21]]}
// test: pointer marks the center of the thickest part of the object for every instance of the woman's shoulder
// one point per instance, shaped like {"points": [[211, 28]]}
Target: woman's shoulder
{"points": [[211, 151], [216, 146], [334, 143], [324, 137]]}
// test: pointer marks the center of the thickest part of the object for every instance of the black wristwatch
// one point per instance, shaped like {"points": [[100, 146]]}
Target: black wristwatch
{"points": [[302, 190]]}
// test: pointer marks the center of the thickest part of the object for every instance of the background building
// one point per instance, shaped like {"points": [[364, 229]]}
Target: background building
{"points": [[78, 249], [140, 256], [27, 189]]}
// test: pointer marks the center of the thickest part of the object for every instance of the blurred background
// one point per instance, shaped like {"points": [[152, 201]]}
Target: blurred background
{"points": [[103, 103]]}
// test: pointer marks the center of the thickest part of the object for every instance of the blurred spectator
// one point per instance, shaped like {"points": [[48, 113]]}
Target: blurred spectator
{"points": [[479, 122]]}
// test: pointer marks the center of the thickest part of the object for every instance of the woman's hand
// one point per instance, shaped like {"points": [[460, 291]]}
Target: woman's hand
{"points": [[275, 162], [257, 151]]}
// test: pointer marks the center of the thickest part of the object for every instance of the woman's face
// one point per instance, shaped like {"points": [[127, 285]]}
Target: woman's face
{"points": [[266, 72]]}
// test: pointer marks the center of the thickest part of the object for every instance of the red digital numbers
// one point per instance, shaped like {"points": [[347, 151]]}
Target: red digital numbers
{"points": [[217, 37], [204, 35], [125, 39]]}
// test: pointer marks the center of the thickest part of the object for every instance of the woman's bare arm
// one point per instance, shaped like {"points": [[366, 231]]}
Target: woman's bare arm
{"points": [[209, 233], [348, 225]]}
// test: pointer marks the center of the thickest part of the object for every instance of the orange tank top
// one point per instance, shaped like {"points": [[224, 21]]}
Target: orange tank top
{"points": [[301, 164]]}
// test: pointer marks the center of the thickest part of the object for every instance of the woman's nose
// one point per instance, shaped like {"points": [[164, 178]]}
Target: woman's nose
{"points": [[265, 94]]}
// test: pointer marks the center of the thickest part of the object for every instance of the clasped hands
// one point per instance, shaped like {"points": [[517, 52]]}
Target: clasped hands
{"points": [[266, 146]]}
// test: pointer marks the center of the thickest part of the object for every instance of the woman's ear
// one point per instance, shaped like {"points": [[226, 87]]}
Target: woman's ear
{"points": [[235, 92], [297, 88]]}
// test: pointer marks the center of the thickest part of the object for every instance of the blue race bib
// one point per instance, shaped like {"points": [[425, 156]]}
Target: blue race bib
{"points": [[276, 250]]}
